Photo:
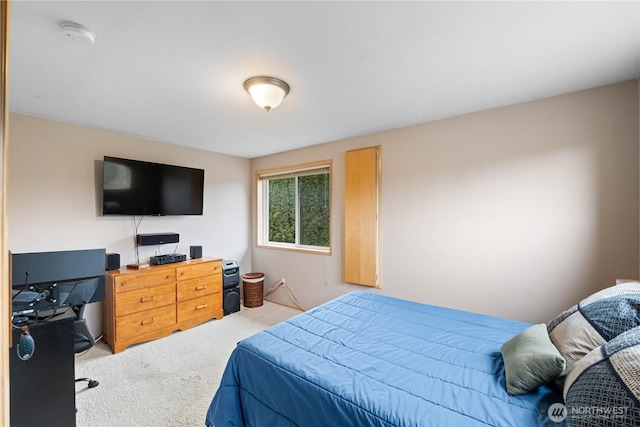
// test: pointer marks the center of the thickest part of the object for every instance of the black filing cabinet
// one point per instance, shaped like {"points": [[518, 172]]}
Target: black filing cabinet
{"points": [[42, 387]]}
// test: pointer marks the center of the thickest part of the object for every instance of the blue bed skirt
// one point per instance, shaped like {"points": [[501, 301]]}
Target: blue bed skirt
{"points": [[368, 360]]}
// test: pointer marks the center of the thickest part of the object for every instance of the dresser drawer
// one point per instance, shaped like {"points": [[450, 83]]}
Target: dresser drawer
{"points": [[129, 282], [202, 286], [138, 324], [201, 306], [192, 271], [144, 299]]}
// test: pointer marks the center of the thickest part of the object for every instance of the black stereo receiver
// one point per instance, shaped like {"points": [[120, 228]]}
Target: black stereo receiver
{"points": [[167, 259]]}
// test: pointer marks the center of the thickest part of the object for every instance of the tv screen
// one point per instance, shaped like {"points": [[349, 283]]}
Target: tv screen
{"points": [[134, 187]]}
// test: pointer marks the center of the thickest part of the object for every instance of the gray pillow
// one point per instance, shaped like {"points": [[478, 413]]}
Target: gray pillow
{"points": [[594, 321], [531, 360], [603, 388]]}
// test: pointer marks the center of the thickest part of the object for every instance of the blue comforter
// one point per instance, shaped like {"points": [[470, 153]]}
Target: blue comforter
{"points": [[368, 360]]}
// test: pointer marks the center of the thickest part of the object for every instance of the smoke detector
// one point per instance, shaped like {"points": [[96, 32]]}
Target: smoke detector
{"points": [[78, 33]]}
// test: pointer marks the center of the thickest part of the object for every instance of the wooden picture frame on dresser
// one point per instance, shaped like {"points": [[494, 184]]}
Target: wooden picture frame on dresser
{"points": [[146, 304]]}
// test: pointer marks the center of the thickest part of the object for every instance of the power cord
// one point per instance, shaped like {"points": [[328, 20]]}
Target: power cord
{"points": [[136, 225], [282, 283]]}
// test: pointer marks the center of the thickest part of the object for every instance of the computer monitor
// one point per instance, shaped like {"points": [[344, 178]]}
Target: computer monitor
{"points": [[49, 280]]}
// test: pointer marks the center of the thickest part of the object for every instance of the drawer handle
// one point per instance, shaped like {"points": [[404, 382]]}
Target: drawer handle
{"points": [[144, 322], [168, 277], [143, 299], [200, 307], [201, 287]]}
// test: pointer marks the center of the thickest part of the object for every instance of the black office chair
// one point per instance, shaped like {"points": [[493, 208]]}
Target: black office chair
{"points": [[82, 338]]}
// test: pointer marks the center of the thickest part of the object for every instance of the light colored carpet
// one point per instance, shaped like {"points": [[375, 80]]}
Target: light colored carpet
{"points": [[167, 382]]}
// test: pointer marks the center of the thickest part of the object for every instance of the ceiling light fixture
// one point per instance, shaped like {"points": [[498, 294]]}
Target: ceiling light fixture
{"points": [[267, 92], [78, 33]]}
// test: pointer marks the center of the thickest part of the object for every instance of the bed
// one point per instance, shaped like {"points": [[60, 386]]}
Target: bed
{"points": [[365, 359]]}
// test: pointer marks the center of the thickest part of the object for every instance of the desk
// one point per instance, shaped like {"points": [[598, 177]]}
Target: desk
{"points": [[42, 388]]}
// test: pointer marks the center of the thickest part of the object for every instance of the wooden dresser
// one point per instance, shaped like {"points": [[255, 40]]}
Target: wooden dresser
{"points": [[146, 304]]}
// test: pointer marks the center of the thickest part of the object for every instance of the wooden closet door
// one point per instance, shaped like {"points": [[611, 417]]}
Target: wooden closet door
{"points": [[361, 218], [5, 288]]}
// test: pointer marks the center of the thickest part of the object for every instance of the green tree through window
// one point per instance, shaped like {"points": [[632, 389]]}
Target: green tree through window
{"points": [[296, 209], [282, 210], [314, 209]]}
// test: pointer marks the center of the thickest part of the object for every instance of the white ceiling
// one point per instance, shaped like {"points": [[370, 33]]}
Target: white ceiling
{"points": [[174, 70]]}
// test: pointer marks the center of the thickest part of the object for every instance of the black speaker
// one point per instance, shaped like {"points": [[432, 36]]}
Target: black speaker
{"points": [[231, 300], [157, 238], [113, 261], [230, 274], [195, 252]]}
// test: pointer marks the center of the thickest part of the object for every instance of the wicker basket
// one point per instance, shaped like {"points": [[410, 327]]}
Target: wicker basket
{"points": [[252, 284]]}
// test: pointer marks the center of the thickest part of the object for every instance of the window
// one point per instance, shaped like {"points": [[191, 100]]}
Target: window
{"points": [[294, 208]]}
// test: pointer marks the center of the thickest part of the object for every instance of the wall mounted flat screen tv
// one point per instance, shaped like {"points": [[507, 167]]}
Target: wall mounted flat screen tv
{"points": [[134, 187]]}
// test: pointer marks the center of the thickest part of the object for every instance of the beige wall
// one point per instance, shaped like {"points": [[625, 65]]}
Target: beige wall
{"points": [[55, 184], [517, 212]]}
